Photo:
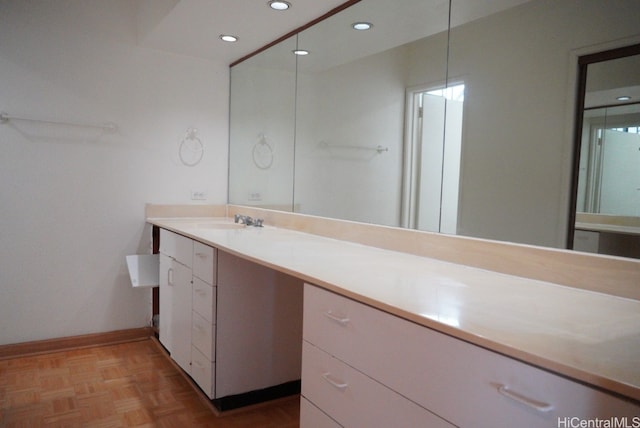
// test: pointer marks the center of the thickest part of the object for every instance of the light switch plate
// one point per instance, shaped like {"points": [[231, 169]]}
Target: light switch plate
{"points": [[255, 196]]}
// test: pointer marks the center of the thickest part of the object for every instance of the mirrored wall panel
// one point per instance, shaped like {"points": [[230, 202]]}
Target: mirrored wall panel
{"points": [[262, 124], [351, 104], [464, 129], [519, 67]]}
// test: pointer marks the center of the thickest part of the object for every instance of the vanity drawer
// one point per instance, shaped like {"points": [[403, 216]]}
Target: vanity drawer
{"points": [[202, 333], [204, 299], [204, 262], [202, 371], [355, 400], [312, 417], [465, 384], [177, 247]]}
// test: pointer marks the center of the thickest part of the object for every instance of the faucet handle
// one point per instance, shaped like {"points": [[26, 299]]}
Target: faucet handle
{"points": [[246, 220]]}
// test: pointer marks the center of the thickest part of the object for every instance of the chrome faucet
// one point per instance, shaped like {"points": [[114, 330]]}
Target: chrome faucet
{"points": [[246, 220]]}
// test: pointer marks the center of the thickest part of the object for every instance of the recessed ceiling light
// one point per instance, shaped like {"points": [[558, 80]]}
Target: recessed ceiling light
{"points": [[301, 52], [624, 98], [228, 38], [279, 5], [361, 26]]}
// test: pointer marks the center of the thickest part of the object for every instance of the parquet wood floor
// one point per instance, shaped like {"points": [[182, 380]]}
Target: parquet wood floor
{"points": [[125, 385]]}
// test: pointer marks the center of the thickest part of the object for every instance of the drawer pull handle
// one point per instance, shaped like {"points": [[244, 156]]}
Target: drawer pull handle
{"points": [[534, 404], [202, 255], [336, 384], [339, 319], [170, 276]]}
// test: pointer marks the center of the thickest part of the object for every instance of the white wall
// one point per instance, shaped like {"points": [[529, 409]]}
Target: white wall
{"points": [[72, 199]]}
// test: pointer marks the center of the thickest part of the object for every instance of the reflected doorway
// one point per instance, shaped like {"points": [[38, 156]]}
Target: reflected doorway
{"points": [[606, 205], [610, 170], [432, 158]]}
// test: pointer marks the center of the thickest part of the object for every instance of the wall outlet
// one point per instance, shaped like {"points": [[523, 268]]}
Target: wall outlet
{"points": [[255, 196], [198, 195]]}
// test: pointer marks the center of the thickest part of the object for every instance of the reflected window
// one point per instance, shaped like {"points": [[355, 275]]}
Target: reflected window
{"points": [[630, 130], [452, 93]]}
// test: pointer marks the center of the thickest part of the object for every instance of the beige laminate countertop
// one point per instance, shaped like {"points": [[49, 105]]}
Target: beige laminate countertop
{"points": [[585, 335], [610, 223], [610, 228]]}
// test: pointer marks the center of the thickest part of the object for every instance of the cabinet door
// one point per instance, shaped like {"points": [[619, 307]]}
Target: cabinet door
{"points": [[180, 318], [202, 371], [203, 336], [166, 297], [204, 299], [354, 399], [176, 246], [204, 262]]}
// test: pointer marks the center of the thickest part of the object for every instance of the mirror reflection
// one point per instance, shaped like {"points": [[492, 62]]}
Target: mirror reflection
{"points": [[262, 111], [376, 141], [610, 168], [608, 191], [350, 122]]}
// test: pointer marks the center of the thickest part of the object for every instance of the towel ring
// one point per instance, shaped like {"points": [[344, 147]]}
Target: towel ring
{"points": [[262, 153], [191, 149]]}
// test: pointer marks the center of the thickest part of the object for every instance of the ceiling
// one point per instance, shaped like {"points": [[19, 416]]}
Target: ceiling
{"points": [[193, 27]]}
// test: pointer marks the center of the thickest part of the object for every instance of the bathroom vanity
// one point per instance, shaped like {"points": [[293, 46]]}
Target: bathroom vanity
{"points": [[391, 338], [218, 315]]}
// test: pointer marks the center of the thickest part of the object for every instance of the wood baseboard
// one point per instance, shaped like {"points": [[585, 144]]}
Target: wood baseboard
{"points": [[73, 342]]}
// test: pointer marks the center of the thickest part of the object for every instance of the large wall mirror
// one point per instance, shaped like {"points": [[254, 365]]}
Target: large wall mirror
{"points": [[262, 112], [448, 116]]}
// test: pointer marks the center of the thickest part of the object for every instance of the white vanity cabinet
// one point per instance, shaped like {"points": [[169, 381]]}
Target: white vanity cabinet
{"points": [[203, 321], [176, 254], [233, 325], [187, 305], [461, 383], [348, 391], [353, 399], [259, 327]]}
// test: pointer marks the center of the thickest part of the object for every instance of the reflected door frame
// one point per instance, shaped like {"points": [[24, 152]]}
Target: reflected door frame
{"points": [[432, 161], [583, 62], [413, 188]]}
